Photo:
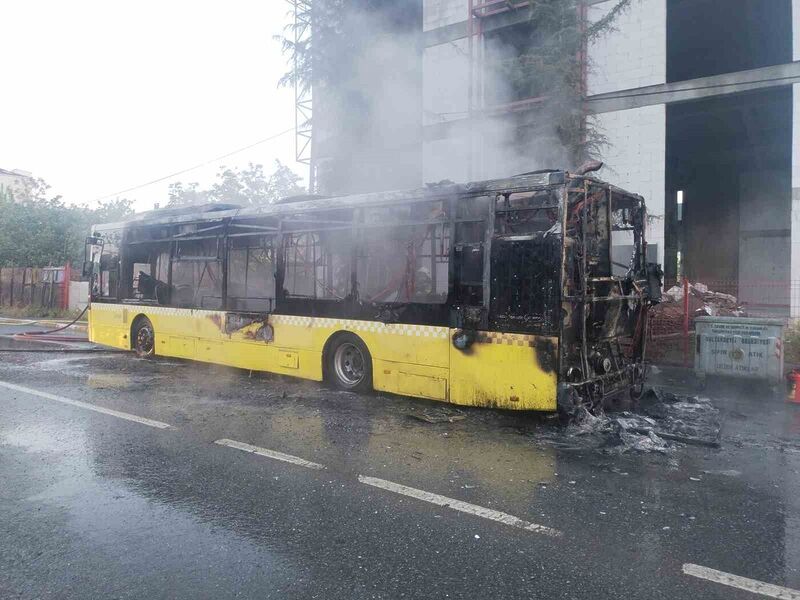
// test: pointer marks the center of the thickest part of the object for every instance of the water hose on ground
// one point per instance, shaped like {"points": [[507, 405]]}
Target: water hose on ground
{"points": [[46, 335]]}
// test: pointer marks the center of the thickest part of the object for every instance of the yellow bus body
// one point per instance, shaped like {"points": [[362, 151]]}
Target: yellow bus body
{"points": [[500, 370]]}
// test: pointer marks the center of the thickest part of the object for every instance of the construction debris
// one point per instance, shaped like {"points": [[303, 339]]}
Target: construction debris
{"points": [[668, 317], [438, 416]]}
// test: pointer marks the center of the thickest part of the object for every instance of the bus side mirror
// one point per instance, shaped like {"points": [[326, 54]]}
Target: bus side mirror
{"points": [[92, 240]]}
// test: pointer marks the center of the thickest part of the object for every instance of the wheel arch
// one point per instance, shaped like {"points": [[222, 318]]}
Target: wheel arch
{"points": [[330, 343], [136, 320]]}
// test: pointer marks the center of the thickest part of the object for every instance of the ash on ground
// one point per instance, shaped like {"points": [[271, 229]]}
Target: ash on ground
{"points": [[660, 422]]}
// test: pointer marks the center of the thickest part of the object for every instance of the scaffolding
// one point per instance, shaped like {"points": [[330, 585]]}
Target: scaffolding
{"points": [[477, 108], [303, 91]]}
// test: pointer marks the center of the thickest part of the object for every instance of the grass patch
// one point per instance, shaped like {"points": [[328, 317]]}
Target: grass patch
{"points": [[37, 312]]}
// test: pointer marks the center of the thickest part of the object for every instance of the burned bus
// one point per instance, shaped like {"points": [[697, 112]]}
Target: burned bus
{"points": [[507, 293]]}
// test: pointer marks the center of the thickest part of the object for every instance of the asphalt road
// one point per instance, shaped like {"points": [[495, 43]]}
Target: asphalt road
{"points": [[355, 496]]}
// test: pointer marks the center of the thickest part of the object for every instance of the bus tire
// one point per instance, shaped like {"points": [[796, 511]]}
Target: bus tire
{"points": [[348, 364], [143, 337]]}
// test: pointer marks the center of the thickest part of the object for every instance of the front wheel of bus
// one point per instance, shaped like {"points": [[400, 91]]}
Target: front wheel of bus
{"points": [[350, 364], [144, 338]]}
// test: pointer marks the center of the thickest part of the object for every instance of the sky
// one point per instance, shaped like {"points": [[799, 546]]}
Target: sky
{"points": [[103, 95]]}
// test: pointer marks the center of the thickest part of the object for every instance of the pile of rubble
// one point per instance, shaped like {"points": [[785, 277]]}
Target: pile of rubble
{"points": [[667, 317]]}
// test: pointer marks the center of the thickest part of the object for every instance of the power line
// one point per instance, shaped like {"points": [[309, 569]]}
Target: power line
{"points": [[203, 164]]}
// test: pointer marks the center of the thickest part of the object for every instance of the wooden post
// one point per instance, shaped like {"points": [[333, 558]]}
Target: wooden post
{"points": [[65, 290], [22, 300]]}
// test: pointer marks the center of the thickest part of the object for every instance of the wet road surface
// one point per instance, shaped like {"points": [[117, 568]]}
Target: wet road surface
{"points": [[265, 487]]}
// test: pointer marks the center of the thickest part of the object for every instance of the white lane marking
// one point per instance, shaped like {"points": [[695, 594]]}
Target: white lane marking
{"points": [[295, 460], [742, 583], [466, 507], [87, 406]]}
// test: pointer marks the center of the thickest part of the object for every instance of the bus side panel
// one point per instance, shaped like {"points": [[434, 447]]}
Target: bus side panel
{"points": [[291, 351], [418, 381], [503, 370], [107, 326], [421, 350], [422, 345], [412, 360]]}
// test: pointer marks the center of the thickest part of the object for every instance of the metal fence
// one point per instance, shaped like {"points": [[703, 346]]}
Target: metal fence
{"points": [[45, 287]]}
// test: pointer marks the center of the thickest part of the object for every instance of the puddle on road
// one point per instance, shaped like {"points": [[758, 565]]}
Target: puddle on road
{"points": [[662, 421]]}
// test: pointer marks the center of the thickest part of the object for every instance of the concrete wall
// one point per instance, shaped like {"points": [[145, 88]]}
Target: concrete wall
{"points": [[763, 245], [78, 294], [635, 159], [446, 159], [634, 54], [440, 13], [445, 82], [795, 267]]}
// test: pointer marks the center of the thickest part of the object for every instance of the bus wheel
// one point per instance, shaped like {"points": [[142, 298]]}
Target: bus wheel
{"points": [[144, 338], [349, 364]]}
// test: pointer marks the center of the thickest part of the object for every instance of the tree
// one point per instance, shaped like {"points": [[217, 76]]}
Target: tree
{"points": [[180, 195], [37, 230], [283, 183], [246, 187], [550, 65]]}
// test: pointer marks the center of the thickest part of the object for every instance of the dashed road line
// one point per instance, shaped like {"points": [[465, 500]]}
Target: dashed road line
{"points": [[86, 405], [466, 507], [742, 583], [274, 454]]}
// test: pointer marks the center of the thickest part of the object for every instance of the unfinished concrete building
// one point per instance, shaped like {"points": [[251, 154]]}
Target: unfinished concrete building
{"points": [[698, 100]]}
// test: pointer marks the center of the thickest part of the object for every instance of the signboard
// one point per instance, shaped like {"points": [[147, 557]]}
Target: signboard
{"points": [[739, 347]]}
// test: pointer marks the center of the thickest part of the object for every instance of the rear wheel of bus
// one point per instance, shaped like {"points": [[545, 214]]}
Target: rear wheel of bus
{"points": [[348, 364], [144, 338]]}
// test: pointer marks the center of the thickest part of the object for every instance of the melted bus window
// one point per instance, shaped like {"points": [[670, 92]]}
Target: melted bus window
{"points": [[526, 263], [404, 254], [251, 274], [317, 264], [197, 275]]}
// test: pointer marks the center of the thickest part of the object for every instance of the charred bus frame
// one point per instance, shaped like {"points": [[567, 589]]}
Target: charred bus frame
{"points": [[526, 261]]}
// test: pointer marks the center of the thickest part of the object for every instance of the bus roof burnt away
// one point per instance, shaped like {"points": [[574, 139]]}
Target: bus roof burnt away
{"points": [[432, 191]]}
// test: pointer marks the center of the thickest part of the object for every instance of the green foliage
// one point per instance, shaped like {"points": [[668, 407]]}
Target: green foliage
{"points": [[38, 231], [549, 65], [791, 343], [247, 187]]}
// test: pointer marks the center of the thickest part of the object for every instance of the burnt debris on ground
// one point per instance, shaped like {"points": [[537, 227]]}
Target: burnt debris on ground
{"points": [[659, 422]]}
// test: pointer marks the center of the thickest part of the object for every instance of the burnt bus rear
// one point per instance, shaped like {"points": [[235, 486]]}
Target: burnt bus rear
{"points": [[570, 261]]}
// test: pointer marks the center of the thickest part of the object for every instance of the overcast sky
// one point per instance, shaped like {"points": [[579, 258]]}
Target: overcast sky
{"points": [[103, 95]]}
